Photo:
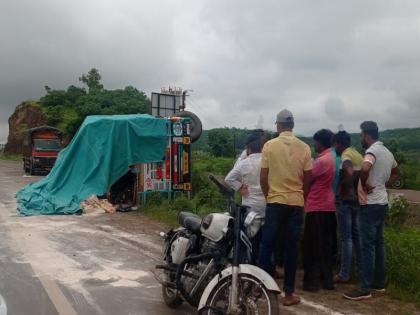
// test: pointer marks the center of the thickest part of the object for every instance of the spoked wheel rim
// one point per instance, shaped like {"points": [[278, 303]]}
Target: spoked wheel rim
{"points": [[253, 298]]}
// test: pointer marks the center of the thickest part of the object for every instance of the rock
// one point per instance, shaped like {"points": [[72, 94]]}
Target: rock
{"points": [[27, 115]]}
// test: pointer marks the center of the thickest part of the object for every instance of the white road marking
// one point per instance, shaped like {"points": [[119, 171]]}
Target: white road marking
{"points": [[60, 302], [322, 308], [3, 306]]}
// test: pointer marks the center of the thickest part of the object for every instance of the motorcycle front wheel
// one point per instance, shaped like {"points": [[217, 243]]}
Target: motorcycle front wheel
{"points": [[254, 298]]}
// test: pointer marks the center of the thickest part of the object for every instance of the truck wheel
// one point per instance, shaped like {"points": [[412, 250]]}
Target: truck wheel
{"points": [[196, 126]]}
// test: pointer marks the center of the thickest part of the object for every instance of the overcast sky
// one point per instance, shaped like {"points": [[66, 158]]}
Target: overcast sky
{"points": [[329, 62]]}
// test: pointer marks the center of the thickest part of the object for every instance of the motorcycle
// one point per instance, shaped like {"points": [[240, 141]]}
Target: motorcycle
{"points": [[206, 263]]}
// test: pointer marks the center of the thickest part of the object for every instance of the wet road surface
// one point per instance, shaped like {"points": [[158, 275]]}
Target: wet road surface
{"points": [[74, 264]]}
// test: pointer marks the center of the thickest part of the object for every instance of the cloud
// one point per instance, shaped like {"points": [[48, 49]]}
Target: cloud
{"points": [[335, 108], [244, 59]]}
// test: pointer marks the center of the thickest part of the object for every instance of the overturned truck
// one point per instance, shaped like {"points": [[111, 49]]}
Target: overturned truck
{"points": [[102, 151]]}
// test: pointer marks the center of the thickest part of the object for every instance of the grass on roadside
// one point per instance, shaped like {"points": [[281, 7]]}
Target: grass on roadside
{"points": [[166, 211], [403, 263], [10, 157], [161, 213]]}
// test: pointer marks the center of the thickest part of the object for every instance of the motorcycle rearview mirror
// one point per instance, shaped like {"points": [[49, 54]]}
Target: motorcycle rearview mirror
{"points": [[220, 183]]}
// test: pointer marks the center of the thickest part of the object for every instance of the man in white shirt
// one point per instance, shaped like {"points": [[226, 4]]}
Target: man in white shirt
{"points": [[245, 176], [255, 133], [379, 168]]}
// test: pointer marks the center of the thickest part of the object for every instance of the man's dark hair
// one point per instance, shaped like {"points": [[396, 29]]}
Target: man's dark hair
{"points": [[370, 128], [324, 137], [254, 143], [343, 138]]}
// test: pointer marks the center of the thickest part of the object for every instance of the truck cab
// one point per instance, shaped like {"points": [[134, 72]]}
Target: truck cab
{"points": [[41, 146]]}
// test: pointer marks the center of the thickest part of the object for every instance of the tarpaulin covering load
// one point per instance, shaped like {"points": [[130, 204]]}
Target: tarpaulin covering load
{"points": [[99, 154]]}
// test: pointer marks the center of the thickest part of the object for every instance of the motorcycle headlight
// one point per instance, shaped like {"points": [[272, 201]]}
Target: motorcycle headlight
{"points": [[253, 223]]}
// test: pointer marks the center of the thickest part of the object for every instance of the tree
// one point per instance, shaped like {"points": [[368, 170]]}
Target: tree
{"points": [[394, 146], [92, 79], [66, 109], [221, 142]]}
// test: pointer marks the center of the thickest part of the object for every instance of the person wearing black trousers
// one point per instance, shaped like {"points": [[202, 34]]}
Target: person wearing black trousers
{"points": [[320, 220]]}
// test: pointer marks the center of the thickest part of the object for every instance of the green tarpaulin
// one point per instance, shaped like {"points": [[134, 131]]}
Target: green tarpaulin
{"points": [[99, 154]]}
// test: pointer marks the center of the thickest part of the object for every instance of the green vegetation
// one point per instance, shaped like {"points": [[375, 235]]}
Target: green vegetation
{"points": [[10, 157], [402, 240], [403, 257], [206, 197], [398, 212], [404, 143], [66, 109]]}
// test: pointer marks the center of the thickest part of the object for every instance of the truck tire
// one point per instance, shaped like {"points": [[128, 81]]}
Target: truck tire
{"points": [[196, 126]]}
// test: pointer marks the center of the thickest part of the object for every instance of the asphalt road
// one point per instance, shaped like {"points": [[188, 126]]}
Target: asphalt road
{"points": [[411, 195], [101, 264], [74, 264]]}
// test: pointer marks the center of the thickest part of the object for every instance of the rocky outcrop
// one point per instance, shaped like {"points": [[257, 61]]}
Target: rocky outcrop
{"points": [[27, 115]]}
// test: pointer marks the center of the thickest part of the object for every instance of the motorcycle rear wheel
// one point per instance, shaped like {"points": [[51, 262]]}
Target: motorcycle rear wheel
{"points": [[251, 290]]}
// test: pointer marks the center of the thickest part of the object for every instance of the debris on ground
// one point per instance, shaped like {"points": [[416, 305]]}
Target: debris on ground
{"points": [[93, 204]]}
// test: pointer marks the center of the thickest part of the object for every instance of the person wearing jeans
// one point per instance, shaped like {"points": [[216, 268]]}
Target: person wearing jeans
{"points": [[379, 168], [372, 219], [291, 219], [348, 227], [348, 204], [285, 176]]}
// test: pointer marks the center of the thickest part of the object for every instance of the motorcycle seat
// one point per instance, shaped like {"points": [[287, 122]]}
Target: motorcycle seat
{"points": [[189, 221]]}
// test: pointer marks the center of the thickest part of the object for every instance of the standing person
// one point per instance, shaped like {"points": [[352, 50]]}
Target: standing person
{"points": [[260, 133], [348, 204], [379, 168], [285, 177], [320, 221], [245, 176]]}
